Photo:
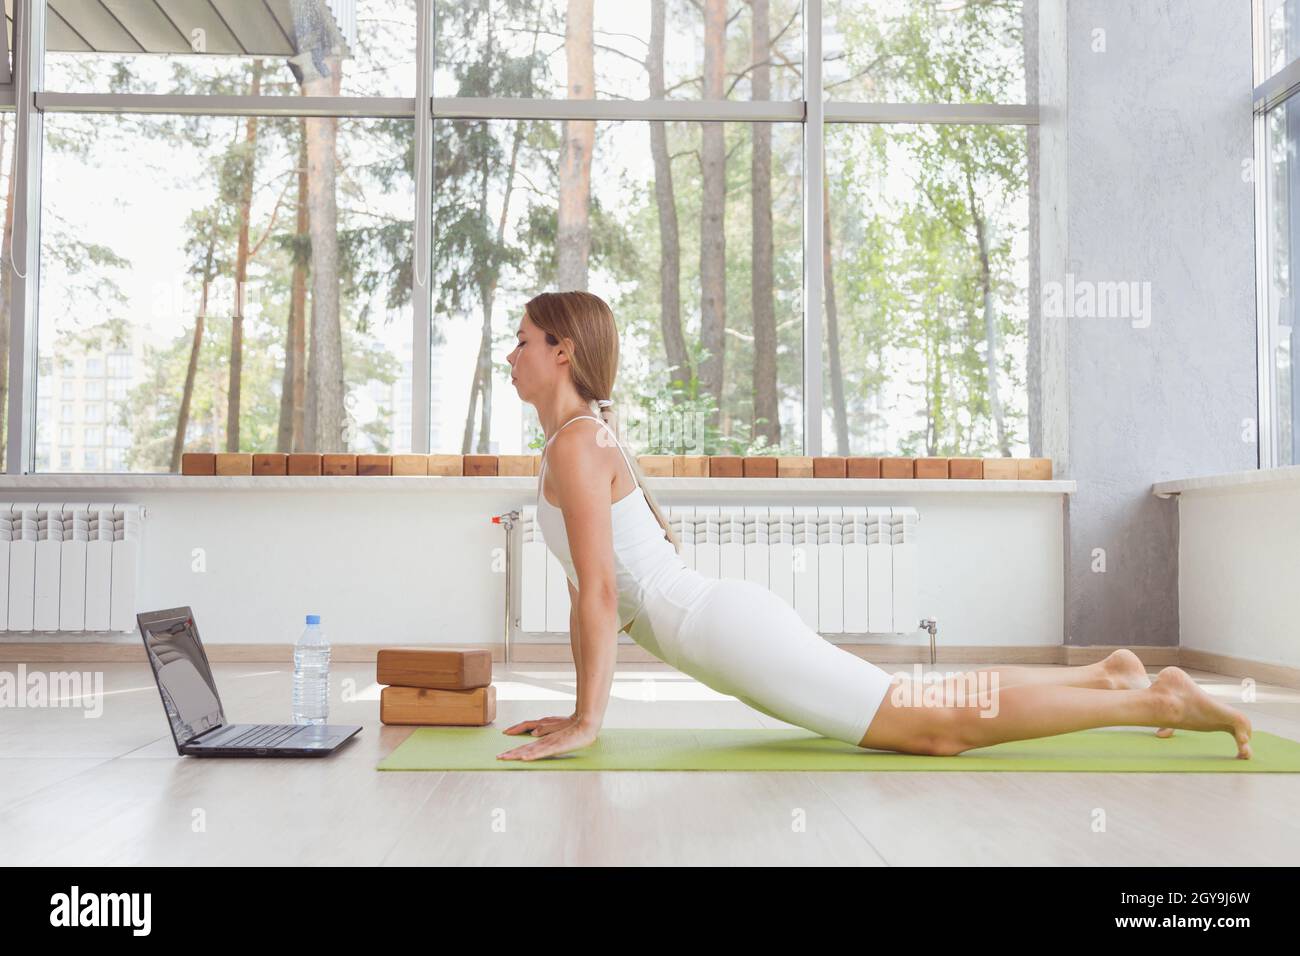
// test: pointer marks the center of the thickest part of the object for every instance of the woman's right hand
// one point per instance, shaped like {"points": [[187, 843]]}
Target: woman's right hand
{"points": [[541, 726]]}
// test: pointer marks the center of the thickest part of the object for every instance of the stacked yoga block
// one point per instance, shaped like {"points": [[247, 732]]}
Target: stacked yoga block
{"points": [[654, 466], [436, 686]]}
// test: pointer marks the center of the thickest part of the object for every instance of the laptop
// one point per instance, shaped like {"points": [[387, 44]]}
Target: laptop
{"points": [[193, 706]]}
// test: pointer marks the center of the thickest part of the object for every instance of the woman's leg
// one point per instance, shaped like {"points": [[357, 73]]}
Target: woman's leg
{"points": [[1121, 670], [909, 724]]}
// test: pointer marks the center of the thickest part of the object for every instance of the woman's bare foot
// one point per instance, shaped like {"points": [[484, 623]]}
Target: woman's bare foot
{"points": [[1126, 671], [1194, 709]]}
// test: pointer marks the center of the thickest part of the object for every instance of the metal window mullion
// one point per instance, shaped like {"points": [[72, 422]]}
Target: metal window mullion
{"points": [[813, 248], [222, 105], [422, 251], [693, 111], [1265, 430], [29, 50], [1002, 114]]}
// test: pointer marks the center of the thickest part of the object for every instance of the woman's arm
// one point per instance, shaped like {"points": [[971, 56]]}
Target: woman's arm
{"points": [[575, 642], [584, 477]]}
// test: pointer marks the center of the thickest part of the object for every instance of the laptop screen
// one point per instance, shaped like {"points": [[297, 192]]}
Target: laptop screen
{"points": [[189, 693]]}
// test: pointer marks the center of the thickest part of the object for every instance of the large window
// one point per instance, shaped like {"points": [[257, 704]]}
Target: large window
{"points": [[302, 228]]}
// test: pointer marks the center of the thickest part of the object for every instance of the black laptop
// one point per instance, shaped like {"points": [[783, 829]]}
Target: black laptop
{"points": [[193, 706]]}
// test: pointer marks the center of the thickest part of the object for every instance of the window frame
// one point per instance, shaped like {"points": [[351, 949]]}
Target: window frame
{"points": [[1270, 93]]}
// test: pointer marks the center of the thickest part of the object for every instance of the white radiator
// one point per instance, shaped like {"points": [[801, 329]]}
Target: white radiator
{"points": [[850, 569], [68, 566]]}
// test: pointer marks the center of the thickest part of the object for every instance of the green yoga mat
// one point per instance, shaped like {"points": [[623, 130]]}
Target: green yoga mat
{"points": [[1098, 751]]}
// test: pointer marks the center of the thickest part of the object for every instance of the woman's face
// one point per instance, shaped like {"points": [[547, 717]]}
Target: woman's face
{"points": [[532, 363]]}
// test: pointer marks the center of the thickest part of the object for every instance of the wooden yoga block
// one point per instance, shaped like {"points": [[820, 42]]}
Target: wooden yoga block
{"points": [[411, 465], [234, 463], [759, 466], [432, 707], [656, 466], [897, 468], [338, 464], [480, 466], [1034, 469], [271, 463], [374, 464], [447, 465], [515, 465], [726, 466], [794, 466], [690, 466], [304, 463], [537, 465], [198, 463], [830, 467], [444, 668], [862, 467], [1001, 469], [932, 467], [965, 467]]}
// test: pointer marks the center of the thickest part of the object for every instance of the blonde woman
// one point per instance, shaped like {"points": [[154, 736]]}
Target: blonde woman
{"points": [[626, 574]]}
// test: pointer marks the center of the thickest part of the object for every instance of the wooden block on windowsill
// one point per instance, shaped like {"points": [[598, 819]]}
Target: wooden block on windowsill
{"points": [[1000, 469], [410, 465], [656, 466], [897, 468], [447, 465], [1034, 469], [726, 466], [374, 464], [304, 463], [690, 466], [480, 466], [537, 465], [198, 463], [931, 468], [422, 706], [830, 468], [965, 467], [234, 463], [271, 463], [759, 466], [338, 464], [862, 467], [514, 465], [444, 668], [794, 466]]}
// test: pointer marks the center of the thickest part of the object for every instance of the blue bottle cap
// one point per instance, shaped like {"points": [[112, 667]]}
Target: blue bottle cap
{"points": [[313, 618]]}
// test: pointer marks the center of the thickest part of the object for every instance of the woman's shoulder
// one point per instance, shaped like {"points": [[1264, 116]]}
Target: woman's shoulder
{"points": [[576, 447]]}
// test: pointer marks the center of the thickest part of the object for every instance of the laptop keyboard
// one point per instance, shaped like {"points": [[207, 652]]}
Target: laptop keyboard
{"points": [[263, 735]]}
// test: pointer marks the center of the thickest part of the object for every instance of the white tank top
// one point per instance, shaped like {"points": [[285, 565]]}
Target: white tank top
{"points": [[642, 553]]}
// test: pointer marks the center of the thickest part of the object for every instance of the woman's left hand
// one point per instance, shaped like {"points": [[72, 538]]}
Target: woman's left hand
{"points": [[572, 737]]}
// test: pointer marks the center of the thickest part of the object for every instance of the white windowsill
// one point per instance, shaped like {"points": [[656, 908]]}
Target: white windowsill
{"points": [[523, 484], [1253, 480]]}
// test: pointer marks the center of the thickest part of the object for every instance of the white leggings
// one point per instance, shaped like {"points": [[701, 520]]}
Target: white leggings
{"points": [[743, 640]]}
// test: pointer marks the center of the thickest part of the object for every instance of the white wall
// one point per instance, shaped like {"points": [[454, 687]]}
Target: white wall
{"points": [[391, 568], [1146, 134], [1239, 572]]}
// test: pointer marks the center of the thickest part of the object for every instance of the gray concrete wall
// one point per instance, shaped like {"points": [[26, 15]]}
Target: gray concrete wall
{"points": [[1146, 127]]}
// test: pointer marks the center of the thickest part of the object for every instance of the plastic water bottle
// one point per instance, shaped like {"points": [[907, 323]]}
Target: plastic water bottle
{"points": [[311, 675]]}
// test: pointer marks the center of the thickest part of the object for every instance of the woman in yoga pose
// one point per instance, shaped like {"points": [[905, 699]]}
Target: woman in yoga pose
{"points": [[625, 573]]}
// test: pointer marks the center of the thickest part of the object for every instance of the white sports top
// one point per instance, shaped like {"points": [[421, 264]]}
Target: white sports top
{"points": [[643, 555]]}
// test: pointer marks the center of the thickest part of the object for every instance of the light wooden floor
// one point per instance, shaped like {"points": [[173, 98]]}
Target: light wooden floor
{"points": [[112, 791]]}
